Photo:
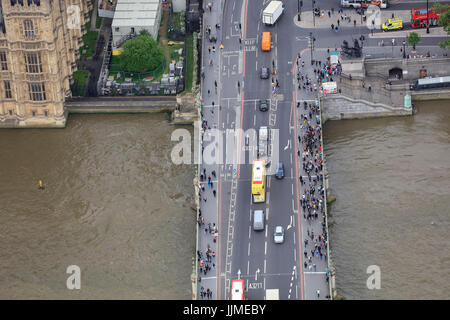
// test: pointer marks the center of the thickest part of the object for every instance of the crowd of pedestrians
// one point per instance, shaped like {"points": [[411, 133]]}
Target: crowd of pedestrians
{"points": [[312, 188], [209, 232]]}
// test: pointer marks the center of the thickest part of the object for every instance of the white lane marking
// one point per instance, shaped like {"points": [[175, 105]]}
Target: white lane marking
{"points": [[256, 65], [209, 278], [254, 120], [265, 267], [267, 214], [248, 253], [265, 247], [313, 272], [264, 284], [268, 197], [266, 231], [290, 224], [248, 266], [249, 231], [288, 143], [291, 157], [292, 189]]}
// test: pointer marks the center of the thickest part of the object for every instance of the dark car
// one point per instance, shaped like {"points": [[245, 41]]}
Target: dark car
{"points": [[280, 171], [263, 105], [264, 73], [212, 38]]}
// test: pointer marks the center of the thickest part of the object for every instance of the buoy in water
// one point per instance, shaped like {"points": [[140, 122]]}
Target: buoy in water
{"points": [[41, 184]]}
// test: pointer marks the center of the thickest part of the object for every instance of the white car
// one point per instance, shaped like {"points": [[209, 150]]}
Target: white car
{"points": [[278, 235]]}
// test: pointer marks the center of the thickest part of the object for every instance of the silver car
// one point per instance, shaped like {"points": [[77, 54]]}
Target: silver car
{"points": [[278, 235]]}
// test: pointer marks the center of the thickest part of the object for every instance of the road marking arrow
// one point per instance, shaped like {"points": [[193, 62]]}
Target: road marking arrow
{"points": [[256, 274], [290, 225], [239, 273]]}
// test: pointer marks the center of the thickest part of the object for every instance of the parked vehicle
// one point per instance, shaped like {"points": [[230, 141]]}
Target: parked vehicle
{"points": [[431, 83], [383, 4], [272, 12], [392, 24], [419, 18]]}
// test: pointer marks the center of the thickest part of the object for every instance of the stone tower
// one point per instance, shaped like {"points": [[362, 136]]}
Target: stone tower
{"points": [[39, 46]]}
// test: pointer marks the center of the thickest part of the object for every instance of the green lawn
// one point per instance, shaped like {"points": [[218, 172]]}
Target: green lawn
{"points": [[80, 78], [189, 64], [98, 22], [89, 39], [136, 76], [174, 55]]}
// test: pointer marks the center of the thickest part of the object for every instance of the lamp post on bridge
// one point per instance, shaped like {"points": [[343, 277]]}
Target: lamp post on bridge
{"points": [[314, 15], [404, 49], [428, 20]]}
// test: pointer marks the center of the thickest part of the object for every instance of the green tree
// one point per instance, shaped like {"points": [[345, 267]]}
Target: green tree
{"points": [[444, 21], [141, 54], [413, 38]]}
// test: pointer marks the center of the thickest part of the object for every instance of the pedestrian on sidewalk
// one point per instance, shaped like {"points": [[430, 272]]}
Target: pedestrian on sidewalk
{"points": [[318, 293], [214, 193]]}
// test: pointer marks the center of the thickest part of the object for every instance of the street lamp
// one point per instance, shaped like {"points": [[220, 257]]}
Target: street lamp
{"points": [[428, 20], [314, 16], [404, 49], [312, 39], [300, 4]]}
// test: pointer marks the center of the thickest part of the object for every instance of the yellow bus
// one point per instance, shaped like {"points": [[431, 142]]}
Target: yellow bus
{"points": [[258, 181]]}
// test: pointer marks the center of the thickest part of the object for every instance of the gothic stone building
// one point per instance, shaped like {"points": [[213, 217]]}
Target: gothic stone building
{"points": [[39, 46]]}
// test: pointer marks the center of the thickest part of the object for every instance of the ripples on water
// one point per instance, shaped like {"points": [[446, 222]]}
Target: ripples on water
{"points": [[391, 177], [114, 204]]}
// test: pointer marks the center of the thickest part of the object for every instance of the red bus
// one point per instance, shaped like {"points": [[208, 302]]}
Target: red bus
{"points": [[419, 18], [237, 289]]}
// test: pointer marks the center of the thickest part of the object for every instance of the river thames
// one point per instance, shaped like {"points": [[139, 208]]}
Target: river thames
{"points": [[116, 206]]}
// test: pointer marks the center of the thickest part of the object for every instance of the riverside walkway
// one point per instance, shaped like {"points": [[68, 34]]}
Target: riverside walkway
{"points": [[121, 104]]}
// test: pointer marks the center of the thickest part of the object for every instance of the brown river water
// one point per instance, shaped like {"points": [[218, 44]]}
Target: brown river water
{"points": [[116, 206], [391, 177], [113, 204]]}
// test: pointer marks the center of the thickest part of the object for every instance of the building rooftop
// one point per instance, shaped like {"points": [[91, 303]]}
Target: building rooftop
{"points": [[108, 5], [135, 13]]}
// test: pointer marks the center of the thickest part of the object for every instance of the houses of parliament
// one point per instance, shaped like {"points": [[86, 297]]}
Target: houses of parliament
{"points": [[39, 47]]}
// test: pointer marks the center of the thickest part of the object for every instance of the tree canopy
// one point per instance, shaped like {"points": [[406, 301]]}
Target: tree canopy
{"points": [[413, 38], [444, 21], [141, 54]]}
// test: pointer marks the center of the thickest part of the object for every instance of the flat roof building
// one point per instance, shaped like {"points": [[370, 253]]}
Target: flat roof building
{"points": [[132, 16]]}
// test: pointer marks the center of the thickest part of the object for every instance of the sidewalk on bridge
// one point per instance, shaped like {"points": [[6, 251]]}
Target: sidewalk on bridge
{"points": [[208, 208], [313, 280], [346, 19]]}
